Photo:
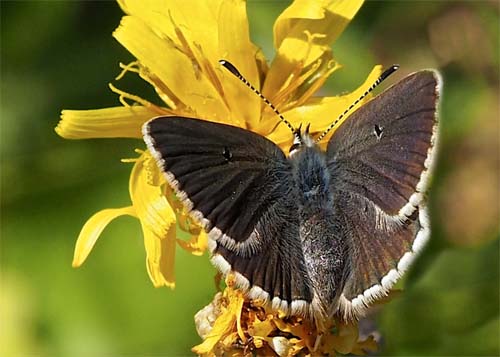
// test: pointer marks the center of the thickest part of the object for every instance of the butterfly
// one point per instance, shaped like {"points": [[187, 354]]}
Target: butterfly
{"points": [[314, 233]]}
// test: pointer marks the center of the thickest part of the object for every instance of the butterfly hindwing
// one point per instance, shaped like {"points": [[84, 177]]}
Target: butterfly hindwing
{"points": [[238, 185], [277, 273], [379, 160]]}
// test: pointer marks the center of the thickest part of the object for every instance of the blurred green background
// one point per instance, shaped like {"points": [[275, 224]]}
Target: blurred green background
{"points": [[57, 55]]}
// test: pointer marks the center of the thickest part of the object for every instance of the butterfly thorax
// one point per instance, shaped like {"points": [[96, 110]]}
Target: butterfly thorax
{"points": [[318, 231], [312, 181]]}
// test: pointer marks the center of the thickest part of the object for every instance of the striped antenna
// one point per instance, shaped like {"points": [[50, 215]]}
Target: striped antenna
{"points": [[383, 76], [231, 68]]}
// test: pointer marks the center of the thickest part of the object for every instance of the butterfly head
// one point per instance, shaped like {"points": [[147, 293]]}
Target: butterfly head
{"points": [[301, 139]]}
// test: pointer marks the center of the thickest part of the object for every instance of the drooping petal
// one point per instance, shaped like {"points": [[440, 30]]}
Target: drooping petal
{"points": [[197, 239], [117, 122], [157, 220], [160, 255], [303, 33], [322, 111], [148, 198], [174, 68], [93, 229]]}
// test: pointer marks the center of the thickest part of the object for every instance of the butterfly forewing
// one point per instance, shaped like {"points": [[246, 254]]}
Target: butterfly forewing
{"points": [[379, 160], [381, 151], [221, 170]]}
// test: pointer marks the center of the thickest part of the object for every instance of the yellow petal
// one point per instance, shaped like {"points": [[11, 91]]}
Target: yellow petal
{"points": [[300, 330], [173, 67], [196, 245], [236, 47], [117, 122], [93, 229], [148, 199], [262, 64], [322, 16], [191, 30], [204, 34], [313, 83], [323, 20], [198, 22], [197, 241], [160, 256], [321, 112], [224, 324], [157, 220], [261, 328]]}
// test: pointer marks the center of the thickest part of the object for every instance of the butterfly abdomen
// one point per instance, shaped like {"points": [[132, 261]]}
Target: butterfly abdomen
{"points": [[324, 254]]}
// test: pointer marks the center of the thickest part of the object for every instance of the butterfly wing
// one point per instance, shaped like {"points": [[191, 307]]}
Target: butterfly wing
{"points": [[237, 184], [380, 160]]}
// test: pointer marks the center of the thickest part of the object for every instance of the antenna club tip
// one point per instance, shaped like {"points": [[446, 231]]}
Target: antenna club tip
{"points": [[388, 72], [230, 67]]}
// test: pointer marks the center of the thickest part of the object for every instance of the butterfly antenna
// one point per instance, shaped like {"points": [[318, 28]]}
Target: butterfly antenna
{"points": [[379, 80], [231, 68]]}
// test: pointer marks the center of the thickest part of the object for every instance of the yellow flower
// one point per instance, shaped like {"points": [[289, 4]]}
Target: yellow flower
{"points": [[177, 46], [235, 325]]}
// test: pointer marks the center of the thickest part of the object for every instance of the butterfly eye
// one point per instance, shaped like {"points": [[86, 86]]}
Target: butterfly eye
{"points": [[227, 153]]}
